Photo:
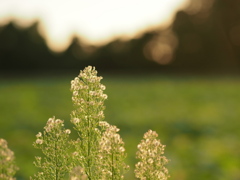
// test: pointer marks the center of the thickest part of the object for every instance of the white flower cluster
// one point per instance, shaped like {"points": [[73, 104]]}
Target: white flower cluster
{"points": [[87, 82], [88, 99], [7, 161], [6, 153], [54, 144], [104, 124], [52, 125], [111, 141], [112, 153], [151, 160], [88, 96]]}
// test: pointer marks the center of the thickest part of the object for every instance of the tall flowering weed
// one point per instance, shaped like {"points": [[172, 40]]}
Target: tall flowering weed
{"points": [[88, 100], [55, 146], [98, 152], [111, 154], [151, 159]]}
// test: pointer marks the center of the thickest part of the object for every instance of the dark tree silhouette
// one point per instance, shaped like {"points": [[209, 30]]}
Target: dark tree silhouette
{"points": [[208, 40], [203, 40], [22, 49]]}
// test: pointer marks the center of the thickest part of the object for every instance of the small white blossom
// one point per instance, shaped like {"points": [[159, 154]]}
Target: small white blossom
{"points": [[121, 149], [58, 121], [102, 87], [104, 124], [68, 131], [39, 135], [76, 120], [104, 96], [75, 93], [92, 93], [39, 141], [50, 121]]}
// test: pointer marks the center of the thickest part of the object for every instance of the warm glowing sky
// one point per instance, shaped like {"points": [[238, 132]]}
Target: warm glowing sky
{"points": [[96, 21]]}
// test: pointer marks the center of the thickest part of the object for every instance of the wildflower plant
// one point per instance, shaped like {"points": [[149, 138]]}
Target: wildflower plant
{"points": [[8, 166], [54, 144], [112, 153], [98, 153], [151, 159], [88, 100]]}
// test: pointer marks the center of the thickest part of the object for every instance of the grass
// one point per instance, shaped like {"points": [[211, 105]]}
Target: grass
{"points": [[196, 117]]}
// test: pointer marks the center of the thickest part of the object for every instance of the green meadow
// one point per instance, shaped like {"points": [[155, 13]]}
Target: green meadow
{"points": [[197, 118]]}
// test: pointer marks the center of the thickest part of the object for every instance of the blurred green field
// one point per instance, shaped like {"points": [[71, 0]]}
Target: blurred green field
{"points": [[197, 118]]}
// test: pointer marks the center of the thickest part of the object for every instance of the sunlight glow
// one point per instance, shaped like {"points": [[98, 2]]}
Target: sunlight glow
{"points": [[95, 22]]}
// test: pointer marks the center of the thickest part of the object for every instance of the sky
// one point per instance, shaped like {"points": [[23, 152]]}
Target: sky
{"points": [[94, 21]]}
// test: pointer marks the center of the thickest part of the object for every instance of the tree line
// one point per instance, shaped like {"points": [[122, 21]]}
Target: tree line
{"points": [[204, 40]]}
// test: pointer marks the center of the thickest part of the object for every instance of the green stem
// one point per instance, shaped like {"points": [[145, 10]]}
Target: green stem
{"points": [[112, 167], [89, 141], [56, 168]]}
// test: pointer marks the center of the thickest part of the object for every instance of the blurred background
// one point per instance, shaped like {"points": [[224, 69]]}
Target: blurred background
{"points": [[171, 66]]}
